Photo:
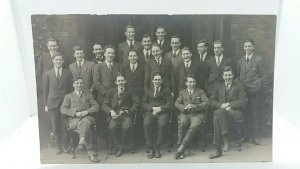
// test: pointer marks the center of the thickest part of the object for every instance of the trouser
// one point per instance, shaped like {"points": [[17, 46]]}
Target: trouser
{"points": [[58, 126], [221, 122], [120, 129], [253, 116], [84, 128], [150, 122], [188, 126]]}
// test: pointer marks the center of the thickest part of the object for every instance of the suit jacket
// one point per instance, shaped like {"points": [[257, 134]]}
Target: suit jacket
{"points": [[104, 79], [214, 72], [123, 50], [86, 73], [73, 103], [175, 61], [166, 47], [166, 69], [136, 79], [129, 101], [198, 98], [96, 61], [142, 58], [253, 74], [180, 74], [236, 96], [163, 100], [202, 74], [54, 90]]}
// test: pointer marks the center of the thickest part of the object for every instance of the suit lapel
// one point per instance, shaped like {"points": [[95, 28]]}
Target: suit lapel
{"points": [[84, 68], [250, 63], [231, 91], [115, 98]]}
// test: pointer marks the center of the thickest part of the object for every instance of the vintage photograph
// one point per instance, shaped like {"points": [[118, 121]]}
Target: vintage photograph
{"points": [[154, 88]]}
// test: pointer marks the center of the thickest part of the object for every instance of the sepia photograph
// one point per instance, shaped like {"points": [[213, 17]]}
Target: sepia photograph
{"points": [[154, 88]]}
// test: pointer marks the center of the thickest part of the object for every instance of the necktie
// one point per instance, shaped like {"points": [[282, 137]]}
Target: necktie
{"points": [[58, 75], [110, 66], [174, 54], [247, 59], [201, 57], [159, 43], [218, 61], [190, 94], [186, 67], [156, 92], [130, 45], [147, 55], [79, 93], [79, 66], [158, 61], [226, 91], [133, 68]]}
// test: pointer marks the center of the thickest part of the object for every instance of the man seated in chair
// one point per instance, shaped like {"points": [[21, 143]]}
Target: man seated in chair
{"points": [[157, 103], [192, 103], [120, 104], [229, 99], [80, 107]]}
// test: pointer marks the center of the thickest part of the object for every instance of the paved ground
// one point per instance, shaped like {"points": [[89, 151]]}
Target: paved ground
{"points": [[249, 153]]}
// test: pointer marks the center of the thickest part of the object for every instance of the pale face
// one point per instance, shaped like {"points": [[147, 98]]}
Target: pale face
{"points": [[190, 83], [160, 34], [98, 51], [175, 44], [157, 80], [201, 48], [79, 55], [156, 52], [146, 42], [186, 55], [78, 85], [52, 46], [228, 76], [249, 48], [218, 49], [130, 34], [132, 57], [109, 55], [58, 61], [120, 81]]}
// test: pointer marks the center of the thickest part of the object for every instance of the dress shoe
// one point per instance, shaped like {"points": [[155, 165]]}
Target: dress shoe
{"points": [[217, 154], [59, 150], [226, 146], [119, 152], [244, 140], [178, 155], [94, 159], [157, 154], [150, 155], [256, 141]]}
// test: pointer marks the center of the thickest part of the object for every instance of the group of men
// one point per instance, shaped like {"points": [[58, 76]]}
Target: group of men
{"points": [[151, 79]]}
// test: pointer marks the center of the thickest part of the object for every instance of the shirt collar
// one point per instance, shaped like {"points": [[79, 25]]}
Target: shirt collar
{"points": [[119, 89], [161, 41], [221, 57], [77, 92], [107, 63], [57, 69], [128, 41], [188, 63], [133, 64], [149, 51], [192, 91], [176, 52], [229, 84], [250, 56]]}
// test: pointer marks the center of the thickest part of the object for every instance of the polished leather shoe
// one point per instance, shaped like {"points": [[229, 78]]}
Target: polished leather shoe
{"points": [[94, 159], [226, 146], [217, 154], [59, 150], [157, 154], [150, 155], [119, 152], [178, 155]]}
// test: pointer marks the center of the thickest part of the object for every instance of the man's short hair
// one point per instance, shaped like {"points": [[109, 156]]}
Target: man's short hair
{"points": [[248, 40], [160, 27], [190, 75], [157, 74], [51, 39], [203, 41], [78, 47], [109, 46], [175, 36], [132, 50], [77, 78], [146, 36], [227, 69], [186, 48], [218, 42], [155, 45], [57, 54], [120, 74], [96, 44], [127, 26]]}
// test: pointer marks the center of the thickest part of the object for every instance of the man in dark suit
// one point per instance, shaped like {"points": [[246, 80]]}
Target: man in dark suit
{"points": [[82, 68], [145, 55], [119, 105], [157, 104], [57, 82], [162, 65], [80, 108], [229, 99], [160, 40], [215, 66], [130, 43], [192, 103], [98, 51], [184, 68], [105, 73], [201, 59], [252, 74], [175, 54]]}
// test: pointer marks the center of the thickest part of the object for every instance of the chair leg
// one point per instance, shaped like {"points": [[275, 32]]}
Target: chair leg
{"points": [[203, 138]]}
